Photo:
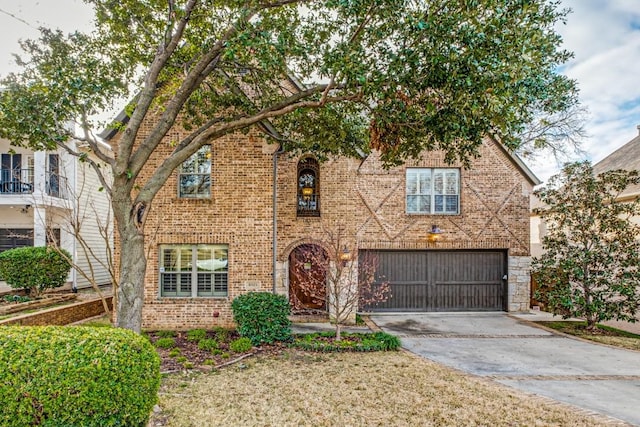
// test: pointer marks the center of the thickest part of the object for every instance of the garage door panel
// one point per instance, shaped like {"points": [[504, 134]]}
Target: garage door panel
{"points": [[406, 297], [401, 266], [463, 280], [467, 296]]}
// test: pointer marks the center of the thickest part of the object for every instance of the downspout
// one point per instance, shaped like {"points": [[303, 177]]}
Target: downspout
{"points": [[274, 204]]}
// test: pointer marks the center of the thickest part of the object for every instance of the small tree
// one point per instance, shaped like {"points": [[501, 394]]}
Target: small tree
{"points": [[590, 267], [347, 283], [35, 269]]}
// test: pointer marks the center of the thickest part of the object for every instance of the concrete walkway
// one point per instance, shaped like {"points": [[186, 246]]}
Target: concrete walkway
{"points": [[510, 350]]}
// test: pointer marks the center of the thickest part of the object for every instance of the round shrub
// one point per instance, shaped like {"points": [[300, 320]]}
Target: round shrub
{"points": [[240, 345], [76, 376], [35, 268], [262, 317]]}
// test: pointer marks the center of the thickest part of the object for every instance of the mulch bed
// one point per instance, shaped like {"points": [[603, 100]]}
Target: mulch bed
{"points": [[206, 359]]}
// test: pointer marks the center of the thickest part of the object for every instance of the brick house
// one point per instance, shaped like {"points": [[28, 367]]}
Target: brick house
{"points": [[210, 234]]}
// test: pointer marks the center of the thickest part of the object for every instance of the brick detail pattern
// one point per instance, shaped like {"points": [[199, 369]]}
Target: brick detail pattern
{"points": [[359, 196], [61, 315]]}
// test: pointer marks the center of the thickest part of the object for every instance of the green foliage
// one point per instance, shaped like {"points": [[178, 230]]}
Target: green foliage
{"points": [[174, 352], [324, 342], [196, 334], [240, 345], [76, 376], [16, 298], [166, 334], [35, 268], [221, 333], [590, 265], [208, 344], [166, 342], [262, 317]]}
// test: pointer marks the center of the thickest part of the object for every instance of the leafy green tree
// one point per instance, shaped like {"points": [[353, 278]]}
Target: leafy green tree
{"points": [[332, 76], [591, 264]]}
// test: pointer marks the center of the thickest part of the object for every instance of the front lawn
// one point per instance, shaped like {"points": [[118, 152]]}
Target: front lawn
{"points": [[296, 388], [604, 334]]}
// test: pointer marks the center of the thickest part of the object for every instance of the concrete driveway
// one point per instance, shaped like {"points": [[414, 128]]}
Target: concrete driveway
{"points": [[511, 351]]}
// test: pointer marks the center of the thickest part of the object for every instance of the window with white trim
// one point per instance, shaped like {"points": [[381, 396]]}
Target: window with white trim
{"points": [[433, 191], [194, 176], [193, 270]]}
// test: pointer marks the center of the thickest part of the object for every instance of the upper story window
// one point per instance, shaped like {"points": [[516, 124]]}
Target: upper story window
{"points": [[308, 187], [433, 191], [193, 270], [194, 176]]}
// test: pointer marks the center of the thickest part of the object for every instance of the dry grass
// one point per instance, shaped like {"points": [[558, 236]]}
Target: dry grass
{"points": [[604, 334], [351, 389]]}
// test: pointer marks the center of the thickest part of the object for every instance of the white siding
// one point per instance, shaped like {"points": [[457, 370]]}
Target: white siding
{"points": [[94, 212]]}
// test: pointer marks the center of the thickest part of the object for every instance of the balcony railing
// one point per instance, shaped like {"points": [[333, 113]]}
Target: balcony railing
{"points": [[16, 181], [56, 186], [309, 205], [20, 181]]}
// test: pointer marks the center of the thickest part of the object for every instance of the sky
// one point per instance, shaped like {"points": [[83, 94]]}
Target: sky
{"points": [[603, 34]]}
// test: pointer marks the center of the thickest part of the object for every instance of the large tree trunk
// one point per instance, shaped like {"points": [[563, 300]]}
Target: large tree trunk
{"points": [[132, 260], [130, 292]]}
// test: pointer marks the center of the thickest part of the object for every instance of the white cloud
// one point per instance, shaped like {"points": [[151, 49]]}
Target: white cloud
{"points": [[605, 37]]}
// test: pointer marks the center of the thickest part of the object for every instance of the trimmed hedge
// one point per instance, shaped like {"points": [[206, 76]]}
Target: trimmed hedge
{"points": [[262, 317], [34, 268], [76, 376]]}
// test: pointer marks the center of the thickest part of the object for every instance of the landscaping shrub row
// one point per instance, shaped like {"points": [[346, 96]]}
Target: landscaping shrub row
{"points": [[324, 342]]}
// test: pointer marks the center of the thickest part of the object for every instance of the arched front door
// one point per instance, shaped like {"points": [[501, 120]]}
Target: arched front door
{"points": [[308, 264]]}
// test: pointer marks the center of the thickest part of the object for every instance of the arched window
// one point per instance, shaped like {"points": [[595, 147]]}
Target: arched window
{"points": [[308, 188]]}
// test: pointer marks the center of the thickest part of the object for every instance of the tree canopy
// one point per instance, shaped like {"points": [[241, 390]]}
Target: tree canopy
{"points": [[332, 76], [591, 264]]}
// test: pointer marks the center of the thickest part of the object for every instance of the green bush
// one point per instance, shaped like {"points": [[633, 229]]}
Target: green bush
{"points": [[196, 334], [34, 268], [377, 341], [240, 345], [208, 344], [262, 317], [166, 334], [76, 376], [166, 342]]}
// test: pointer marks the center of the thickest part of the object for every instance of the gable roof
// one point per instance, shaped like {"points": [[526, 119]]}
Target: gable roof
{"points": [[517, 161], [626, 157]]}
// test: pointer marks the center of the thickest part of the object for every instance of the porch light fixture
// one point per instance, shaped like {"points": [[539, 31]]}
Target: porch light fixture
{"points": [[435, 234], [345, 256]]}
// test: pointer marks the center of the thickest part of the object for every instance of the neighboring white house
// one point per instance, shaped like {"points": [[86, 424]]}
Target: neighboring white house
{"points": [[51, 195]]}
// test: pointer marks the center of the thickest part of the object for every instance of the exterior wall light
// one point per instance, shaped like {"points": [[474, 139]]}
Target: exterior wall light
{"points": [[435, 234], [345, 255]]}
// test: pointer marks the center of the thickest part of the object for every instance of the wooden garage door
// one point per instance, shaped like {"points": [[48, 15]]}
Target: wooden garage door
{"points": [[441, 280]]}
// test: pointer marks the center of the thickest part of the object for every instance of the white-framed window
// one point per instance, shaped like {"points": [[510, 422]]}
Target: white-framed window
{"points": [[194, 176], [433, 191], [193, 270]]}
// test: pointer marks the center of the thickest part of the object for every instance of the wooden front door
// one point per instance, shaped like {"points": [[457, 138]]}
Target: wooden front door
{"points": [[307, 276]]}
